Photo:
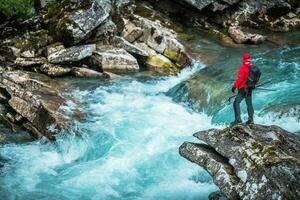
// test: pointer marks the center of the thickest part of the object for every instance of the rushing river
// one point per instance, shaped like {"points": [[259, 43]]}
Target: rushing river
{"points": [[132, 128]]}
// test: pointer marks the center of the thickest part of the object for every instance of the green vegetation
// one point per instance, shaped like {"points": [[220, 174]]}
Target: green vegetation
{"points": [[19, 9]]}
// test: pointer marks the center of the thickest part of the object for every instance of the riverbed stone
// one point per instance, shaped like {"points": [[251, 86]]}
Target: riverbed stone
{"points": [[157, 37], [73, 21], [72, 54], [116, 60], [242, 37], [161, 64], [29, 62], [54, 70], [38, 103], [87, 73]]}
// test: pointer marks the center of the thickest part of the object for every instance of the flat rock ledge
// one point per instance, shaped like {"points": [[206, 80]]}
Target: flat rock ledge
{"points": [[31, 104], [249, 162]]}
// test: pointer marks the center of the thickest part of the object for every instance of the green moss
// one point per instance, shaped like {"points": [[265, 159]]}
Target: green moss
{"points": [[164, 66], [172, 55]]}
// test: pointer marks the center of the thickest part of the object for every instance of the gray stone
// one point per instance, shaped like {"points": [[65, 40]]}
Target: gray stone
{"points": [[159, 38], [242, 37], [55, 70], [72, 54], [87, 73], [252, 162], [199, 4], [29, 62], [38, 103], [116, 60], [73, 21], [53, 48], [134, 50]]}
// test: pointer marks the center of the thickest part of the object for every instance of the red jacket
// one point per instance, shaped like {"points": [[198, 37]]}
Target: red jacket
{"points": [[243, 74]]}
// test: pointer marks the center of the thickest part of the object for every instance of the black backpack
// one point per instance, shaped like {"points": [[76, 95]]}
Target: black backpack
{"points": [[254, 76]]}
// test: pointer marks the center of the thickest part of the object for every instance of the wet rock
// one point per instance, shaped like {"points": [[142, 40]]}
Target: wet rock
{"points": [[159, 38], [116, 60], [242, 37], [32, 44], [249, 162], [131, 48], [73, 21], [104, 33], [29, 62], [55, 70], [199, 4], [28, 54], [88, 73], [161, 64], [36, 102], [72, 54], [217, 196], [53, 48]]}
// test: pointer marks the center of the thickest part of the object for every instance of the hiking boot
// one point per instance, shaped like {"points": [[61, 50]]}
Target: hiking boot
{"points": [[249, 122], [235, 122]]}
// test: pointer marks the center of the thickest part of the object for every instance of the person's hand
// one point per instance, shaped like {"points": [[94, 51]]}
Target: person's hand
{"points": [[233, 89]]}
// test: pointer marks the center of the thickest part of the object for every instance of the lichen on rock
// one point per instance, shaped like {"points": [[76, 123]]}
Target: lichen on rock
{"points": [[264, 160]]}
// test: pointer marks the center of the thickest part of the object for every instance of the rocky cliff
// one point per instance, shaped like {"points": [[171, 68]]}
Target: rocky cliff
{"points": [[249, 162]]}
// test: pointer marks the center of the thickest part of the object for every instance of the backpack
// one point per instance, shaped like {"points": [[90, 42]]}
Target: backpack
{"points": [[254, 76]]}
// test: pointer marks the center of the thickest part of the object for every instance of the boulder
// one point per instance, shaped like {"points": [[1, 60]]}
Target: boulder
{"points": [[37, 103], [162, 65], [32, 44], [55, 70], [159, 38], [104, 33], [131, 48], [252, 162], [116, 60], [73, 21], [88, 73], [72, 54], [53, 48], [217, 196], [29, 62], [242, 37]]}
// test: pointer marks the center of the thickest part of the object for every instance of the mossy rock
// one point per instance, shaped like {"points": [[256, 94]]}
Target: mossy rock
{"points": [[35, 41], [162, 65]]}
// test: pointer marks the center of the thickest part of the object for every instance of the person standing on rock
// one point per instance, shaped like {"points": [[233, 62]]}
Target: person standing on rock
{"points": [[247, 77]]}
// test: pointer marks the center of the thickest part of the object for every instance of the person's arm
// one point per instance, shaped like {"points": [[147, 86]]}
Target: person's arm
{"points": [[240, 78]]}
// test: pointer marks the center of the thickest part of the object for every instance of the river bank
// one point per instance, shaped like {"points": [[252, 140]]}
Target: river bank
{"points": [[118, 121]]}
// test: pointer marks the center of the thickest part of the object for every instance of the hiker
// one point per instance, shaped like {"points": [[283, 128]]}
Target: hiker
{"points": [[247, 78]]}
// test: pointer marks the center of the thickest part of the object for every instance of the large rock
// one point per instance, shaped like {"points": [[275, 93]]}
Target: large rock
{"points": [[116, 60], [157, 37], [55, 70], [137, 52], [72, 54], [88, 73], [32, 104], [73, 21], [162, 65], [249, 162], [29, 62], [242, 37]]}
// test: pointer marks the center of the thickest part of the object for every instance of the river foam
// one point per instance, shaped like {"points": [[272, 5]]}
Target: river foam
{"points": [[128, 149]]}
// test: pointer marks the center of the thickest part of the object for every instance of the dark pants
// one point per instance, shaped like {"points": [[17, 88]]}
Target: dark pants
{"points": [[247, 94]]}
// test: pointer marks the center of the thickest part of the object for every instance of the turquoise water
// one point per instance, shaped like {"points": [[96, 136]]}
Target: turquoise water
{"points": [[128, 149], [131, 131]]}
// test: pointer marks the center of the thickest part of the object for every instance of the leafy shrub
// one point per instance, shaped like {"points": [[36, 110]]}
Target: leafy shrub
{"points": [[19, 9]]}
